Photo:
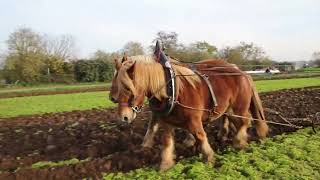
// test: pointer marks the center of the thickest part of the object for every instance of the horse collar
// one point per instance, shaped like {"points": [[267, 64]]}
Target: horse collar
{"points": [[165, 107]]}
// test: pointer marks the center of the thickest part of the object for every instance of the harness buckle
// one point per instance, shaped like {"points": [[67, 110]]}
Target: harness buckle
{"points": [[137, 109], [205, 76]]}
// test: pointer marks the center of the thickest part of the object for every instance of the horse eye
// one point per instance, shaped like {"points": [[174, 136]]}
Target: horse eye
{"points": [[127, 91], [126, 88]]}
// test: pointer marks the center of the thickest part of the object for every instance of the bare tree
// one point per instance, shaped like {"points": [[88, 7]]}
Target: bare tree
{"points": [[169, 40], [24, 41], [61, 47], [105, 56], [133, 48]]}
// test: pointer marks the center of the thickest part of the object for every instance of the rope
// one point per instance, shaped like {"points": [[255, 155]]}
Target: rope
{"points": [[271, 122], [188, 107], [250, 118]]}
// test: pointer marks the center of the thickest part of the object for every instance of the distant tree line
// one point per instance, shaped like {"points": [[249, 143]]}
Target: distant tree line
{"points": [[35, 58]]}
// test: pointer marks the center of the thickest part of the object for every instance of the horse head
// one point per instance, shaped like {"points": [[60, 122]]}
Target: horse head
{"points": [[125, 90], [114, 87]]}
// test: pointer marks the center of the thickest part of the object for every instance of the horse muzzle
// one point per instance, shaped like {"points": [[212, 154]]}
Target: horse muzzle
{"points": [[128, 118]]}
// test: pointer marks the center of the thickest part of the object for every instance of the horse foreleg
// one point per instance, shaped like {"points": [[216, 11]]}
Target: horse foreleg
{"points": [[153, 127], [167, 156], [241, 138], [197, 129]]}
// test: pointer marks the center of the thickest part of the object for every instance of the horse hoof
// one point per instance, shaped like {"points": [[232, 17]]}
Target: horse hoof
{"points": [[146, 145], [240, 145], [209, 158], [166, 165], [189, 143], [223, 140]]}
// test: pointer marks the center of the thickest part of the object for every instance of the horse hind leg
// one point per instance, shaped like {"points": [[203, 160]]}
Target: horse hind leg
{"points": [[242, 124]]}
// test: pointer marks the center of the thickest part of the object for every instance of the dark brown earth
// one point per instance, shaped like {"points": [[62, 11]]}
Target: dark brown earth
{"points": [[96, 134]]}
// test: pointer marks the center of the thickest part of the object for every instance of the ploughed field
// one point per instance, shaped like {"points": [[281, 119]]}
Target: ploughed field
{"points": [[80, 144]]}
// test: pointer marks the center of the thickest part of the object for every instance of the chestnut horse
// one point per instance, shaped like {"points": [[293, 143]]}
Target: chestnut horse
{"points": [[141, 76]]}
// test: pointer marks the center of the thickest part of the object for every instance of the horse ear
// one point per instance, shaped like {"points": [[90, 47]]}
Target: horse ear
{"points": [[129, 64], [117, 63], [125, 57]]}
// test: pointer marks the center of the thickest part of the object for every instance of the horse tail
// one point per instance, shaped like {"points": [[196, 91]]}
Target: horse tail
{"points": [[257, 112]]}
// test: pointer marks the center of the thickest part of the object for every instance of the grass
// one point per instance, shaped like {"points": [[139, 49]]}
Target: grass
{"points": [[310, 69], [273, 85], [293, 156], [11, 107], [295, 75], [53, 103], [46, 164], [52, 164]]}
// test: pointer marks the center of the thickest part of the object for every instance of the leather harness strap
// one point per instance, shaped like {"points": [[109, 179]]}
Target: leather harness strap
{"points": [[206, 79]]}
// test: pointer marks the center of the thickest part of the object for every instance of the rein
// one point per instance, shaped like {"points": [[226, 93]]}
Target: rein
{"points": [[253, 119]]}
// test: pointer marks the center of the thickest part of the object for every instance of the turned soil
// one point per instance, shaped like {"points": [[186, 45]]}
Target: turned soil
{"points": [[40, 93]]}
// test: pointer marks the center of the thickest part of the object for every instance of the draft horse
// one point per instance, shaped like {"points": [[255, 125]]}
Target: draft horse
{"points": [[138, 77]]}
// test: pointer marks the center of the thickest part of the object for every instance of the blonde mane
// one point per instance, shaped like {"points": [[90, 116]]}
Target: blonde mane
{"points": [[149, 76]]}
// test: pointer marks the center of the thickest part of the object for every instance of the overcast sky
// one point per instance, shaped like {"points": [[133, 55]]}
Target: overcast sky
{"points": [[286, 29]]}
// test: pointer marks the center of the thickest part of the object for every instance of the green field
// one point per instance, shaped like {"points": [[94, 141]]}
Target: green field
{"points": [[294, 75], [293, 156], [11, 107], [273, 85], [310, 69], [53, 103]]}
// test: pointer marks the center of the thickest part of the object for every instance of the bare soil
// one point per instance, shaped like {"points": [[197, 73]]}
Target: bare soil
{"points": [[40, 93]]}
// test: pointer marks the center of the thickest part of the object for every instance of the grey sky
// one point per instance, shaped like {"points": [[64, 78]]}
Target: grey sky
{"points": [[286, 29]]}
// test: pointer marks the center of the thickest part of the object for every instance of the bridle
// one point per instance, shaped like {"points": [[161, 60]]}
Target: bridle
{"points": [[131, 103]]}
